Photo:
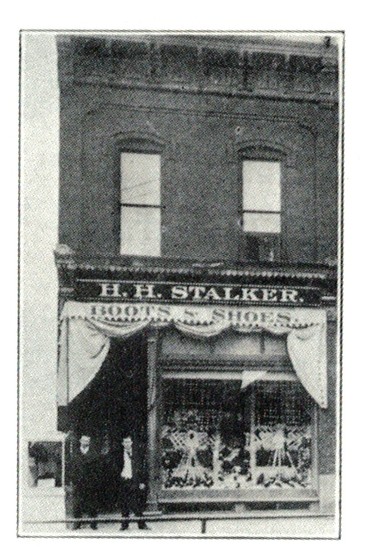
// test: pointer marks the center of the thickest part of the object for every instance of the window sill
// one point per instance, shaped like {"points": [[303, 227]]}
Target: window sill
{"points": [[253, 495]]}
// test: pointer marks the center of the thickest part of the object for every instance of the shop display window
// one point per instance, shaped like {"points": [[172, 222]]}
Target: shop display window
{"points": [[216, 436]]}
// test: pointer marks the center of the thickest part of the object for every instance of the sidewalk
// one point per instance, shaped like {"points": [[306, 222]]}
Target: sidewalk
{"points": [[291, 527]]}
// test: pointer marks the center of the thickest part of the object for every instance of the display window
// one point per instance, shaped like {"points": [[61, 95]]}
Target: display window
{"points": [[216, 436], [45, 464]]}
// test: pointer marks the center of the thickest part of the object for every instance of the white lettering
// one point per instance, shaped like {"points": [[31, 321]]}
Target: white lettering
{"points": [[144, 291], [228, 295], [270, 294], [250, 294], [197, 292], [212, 294], [289, 295], [110, 289], [179, 291]]}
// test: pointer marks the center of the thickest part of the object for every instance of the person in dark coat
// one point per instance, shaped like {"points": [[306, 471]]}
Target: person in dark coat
{"points": [[131, 475], [85, 482]]}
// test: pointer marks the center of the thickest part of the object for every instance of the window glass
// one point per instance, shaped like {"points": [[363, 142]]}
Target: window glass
{"points": [[140, 231], [261, 204], [45, 464], [216, 437], [175, 344], [282, 441], [261, 186], [202, 435], [232, 344], [140, 204], [269, 223], [228, 345], [275, 345], [140, 179]]}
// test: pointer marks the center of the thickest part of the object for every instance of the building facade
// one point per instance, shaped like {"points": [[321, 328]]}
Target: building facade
{"points": [[198, 239]]}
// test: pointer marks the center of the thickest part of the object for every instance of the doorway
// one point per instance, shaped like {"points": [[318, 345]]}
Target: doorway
{"points": [[113, 405]]}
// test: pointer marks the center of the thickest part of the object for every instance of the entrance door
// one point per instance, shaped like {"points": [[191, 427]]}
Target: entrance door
{"points": [[113, 405]]}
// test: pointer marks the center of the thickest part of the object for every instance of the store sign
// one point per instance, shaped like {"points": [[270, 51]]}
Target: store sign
{"points": [[202, 315], [141, 291]]}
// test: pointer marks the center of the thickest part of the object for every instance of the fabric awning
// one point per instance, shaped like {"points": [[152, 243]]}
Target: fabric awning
{"points": [[86, 329], [249, 377]]}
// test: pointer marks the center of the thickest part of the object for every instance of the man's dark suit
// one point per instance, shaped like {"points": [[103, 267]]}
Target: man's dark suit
{"points": [[85, 477], [132, 498]]}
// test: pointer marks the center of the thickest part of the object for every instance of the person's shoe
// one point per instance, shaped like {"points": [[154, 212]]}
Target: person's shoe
{"points": [[76, 526], [124, 527], [93, 526], [144, 527]]}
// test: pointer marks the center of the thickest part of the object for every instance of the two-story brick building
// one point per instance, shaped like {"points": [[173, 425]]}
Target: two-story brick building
{"points": [[198, 234]]}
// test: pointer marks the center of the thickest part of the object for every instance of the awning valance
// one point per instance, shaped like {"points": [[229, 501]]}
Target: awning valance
{"points": [[86, 329]]}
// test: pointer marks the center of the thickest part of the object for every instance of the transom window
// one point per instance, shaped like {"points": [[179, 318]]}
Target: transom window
{"points": [[140, 204]]}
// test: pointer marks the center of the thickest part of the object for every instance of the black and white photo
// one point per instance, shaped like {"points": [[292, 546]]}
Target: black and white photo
{"points": [[179, 284]]}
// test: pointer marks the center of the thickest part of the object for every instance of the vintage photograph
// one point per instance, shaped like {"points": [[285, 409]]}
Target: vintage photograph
{"points": [[180, 255]]}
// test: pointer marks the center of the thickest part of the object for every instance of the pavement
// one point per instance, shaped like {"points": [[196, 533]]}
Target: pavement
{"points": [[278, 527]]}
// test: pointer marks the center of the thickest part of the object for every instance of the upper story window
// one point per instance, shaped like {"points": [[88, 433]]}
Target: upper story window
{"points": [[140, 204], [261, 208]]}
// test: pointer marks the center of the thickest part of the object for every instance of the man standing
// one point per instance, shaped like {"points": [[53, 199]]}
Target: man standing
{"points": [[132, 482], [85, 482]]}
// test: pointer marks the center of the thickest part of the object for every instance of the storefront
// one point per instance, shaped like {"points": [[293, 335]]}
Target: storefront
{"points": [[229, 382]]}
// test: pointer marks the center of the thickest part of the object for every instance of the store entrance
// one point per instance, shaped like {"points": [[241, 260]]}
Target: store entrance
{"points": [[113, 405]]}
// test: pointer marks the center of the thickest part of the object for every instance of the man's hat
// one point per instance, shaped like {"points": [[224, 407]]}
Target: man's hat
{"points": [[85, 438]]}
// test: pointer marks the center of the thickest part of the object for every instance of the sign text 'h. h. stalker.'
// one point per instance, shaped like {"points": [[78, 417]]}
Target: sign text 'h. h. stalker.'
{"points": [[140, 291]]}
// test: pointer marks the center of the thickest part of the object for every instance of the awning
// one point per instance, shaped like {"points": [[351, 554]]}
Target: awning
{"points": [[86, 329]]}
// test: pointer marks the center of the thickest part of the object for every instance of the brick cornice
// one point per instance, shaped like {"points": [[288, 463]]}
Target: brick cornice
{"points": [[235, 67]]}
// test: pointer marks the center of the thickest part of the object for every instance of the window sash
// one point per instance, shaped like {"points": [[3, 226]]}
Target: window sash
{"points": [[140, 203], [140, 231], [261, 186], [261, 197], [226, 376], [140, 179], [261, 222]]}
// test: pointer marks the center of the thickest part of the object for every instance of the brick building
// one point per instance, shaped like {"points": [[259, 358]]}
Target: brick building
{"points": [[198, 235]]}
